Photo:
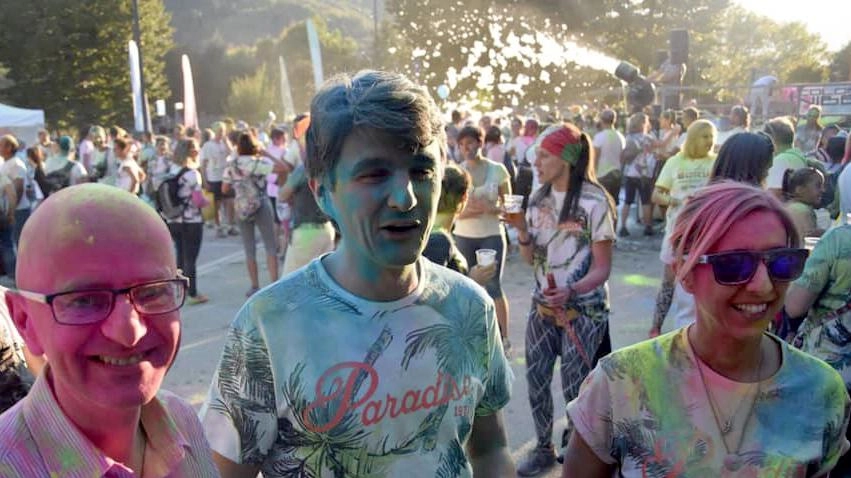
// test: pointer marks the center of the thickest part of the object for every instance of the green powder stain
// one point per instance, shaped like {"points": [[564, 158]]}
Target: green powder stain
{"points": [[639, 280]]}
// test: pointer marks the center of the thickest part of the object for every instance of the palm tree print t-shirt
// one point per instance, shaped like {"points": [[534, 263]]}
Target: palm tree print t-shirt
{"points": [[315, 381], [645, 410]]}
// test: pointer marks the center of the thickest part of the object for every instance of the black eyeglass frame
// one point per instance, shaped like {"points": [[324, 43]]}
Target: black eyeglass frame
{"points": [[48, 299], [763, 257]]}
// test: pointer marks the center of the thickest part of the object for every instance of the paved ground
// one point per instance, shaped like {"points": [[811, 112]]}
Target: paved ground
{"points": [[222, 276]]}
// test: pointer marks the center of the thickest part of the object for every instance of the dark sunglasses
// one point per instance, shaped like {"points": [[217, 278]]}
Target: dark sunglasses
{"points": [[738, 267]]}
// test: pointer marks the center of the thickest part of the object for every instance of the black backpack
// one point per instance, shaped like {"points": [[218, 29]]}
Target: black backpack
{"points": [[59, 179], [168, 202]]}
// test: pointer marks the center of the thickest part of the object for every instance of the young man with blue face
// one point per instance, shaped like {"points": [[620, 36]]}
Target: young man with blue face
{"points": [[369, 361]]}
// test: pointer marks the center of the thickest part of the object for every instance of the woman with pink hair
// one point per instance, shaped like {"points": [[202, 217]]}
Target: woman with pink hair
{"points": [[720, 397]]}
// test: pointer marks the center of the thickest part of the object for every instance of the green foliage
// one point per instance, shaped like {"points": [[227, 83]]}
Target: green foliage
{"points": [[217, 69], [751, 45], [467, 46], [840, 67], [71, 59], [245, 22], [251, 97]]}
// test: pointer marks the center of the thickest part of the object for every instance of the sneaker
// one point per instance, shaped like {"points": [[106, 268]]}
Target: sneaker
{"points": [[221, 232], [648, 231], [198, 299], [623, 232], [209, 225], [233, 231], [251, 291], [537, 461]]}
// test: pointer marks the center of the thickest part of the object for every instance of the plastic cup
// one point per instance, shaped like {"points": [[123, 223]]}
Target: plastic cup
{"points": [[810, 242], [485, 257], [513, 203]]}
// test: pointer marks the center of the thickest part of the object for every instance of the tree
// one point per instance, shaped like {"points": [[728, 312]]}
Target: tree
{"points": [[539, 51], [71, 60], [840, 67], [753, 45], [251, 97]]}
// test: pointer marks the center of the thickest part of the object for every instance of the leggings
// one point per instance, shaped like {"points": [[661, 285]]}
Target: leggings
{"points": [[187, 241], [265, 221], [545, 342], [468, 247]]}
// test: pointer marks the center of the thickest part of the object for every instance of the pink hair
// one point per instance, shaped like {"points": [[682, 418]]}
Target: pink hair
{"points": [[708, 215]]}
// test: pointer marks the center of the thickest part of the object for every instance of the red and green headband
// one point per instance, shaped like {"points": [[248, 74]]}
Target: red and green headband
{"points": [[564, 143]]}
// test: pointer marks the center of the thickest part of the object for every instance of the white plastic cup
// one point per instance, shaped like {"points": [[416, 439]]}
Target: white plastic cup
{"points": [[810, 242], [513, 203], [485, 257]]}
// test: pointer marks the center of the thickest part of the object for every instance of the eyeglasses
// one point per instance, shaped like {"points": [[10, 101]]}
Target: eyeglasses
{"points": [[739, 267], [90, 306]]}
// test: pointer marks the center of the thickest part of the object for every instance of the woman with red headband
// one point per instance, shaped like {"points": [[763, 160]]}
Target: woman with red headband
{"points": [[567, 236]]}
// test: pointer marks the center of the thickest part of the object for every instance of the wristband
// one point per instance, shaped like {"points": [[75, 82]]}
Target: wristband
{"points": [[524, 243]]}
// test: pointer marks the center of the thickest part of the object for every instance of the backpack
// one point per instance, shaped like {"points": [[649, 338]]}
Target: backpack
{"points": [[249, 196], [167, 200], [59, 179]]}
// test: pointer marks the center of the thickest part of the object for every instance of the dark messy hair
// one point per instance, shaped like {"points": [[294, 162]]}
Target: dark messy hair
{"points": [[744, 157], [795, 178], [471, 132], [385, 101]]}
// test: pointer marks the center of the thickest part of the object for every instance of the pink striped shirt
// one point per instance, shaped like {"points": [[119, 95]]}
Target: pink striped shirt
{"points": [[38, 440]]}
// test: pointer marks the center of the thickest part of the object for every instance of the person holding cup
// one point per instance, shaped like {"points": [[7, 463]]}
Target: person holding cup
{"points": [[441, 248], [567, 237], [478, 226]]}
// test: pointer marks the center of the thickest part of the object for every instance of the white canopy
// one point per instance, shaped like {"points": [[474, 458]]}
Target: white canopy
{"points": [[22, 123]]}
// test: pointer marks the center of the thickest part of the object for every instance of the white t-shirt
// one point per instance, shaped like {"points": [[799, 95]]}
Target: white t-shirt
{"points": [[315, 377], [484, 225], [789, 159], [610, 144], [725, 135], [128, 170], [214, 154], [293, 155], [14, 169], [520, 145], [272, 179], [85, 151]]}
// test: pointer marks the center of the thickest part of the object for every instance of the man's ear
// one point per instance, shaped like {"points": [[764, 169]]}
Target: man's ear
{"points": [[24, 322], [321, 195]]}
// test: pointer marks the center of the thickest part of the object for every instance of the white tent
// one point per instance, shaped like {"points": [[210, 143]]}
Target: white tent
{"points": [[22, 123]]}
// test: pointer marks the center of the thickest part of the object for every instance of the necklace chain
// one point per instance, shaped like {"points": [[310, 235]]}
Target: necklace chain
{"points": [[728, 425]]}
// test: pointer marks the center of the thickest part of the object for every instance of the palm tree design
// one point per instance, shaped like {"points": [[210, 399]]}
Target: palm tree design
{"points": [[246, 386]]}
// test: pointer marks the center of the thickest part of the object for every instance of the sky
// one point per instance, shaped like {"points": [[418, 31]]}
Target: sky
{"points": [[829, 18]]}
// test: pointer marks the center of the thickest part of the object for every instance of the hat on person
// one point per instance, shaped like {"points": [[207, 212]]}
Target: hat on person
{"points": [[563, 141]]}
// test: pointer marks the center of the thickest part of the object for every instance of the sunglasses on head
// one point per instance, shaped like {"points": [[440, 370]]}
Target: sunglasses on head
{"points": [[738, 267]]}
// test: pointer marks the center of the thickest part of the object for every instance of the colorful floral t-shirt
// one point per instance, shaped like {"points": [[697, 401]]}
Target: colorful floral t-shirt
{"points": [[315, 381], [828, 274], [645, 409], [565, 249]]}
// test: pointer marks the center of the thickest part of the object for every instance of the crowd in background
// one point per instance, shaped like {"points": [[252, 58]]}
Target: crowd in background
{"points": [[672, 173]]}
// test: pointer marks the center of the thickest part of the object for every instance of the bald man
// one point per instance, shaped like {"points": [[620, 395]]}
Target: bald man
{"points": [[99, 297]]}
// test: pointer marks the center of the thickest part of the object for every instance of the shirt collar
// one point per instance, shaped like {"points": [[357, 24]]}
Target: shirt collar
{"points": [[65, 449]]}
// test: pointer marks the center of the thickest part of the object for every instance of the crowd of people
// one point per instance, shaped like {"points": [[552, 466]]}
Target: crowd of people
{"points": [[380, 347]]}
